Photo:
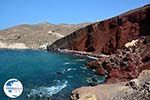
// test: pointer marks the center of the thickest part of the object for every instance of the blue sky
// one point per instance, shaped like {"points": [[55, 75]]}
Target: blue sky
{"points": [[14, 12]]}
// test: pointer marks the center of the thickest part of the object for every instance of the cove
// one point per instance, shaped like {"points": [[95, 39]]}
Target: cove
{"points": [[44, 75]]}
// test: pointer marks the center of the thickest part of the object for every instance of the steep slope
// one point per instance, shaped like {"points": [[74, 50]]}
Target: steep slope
{"points": [[34, 36], [109, 35]]}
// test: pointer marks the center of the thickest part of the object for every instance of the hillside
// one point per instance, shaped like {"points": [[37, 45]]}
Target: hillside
{"points": [[34, 36]]}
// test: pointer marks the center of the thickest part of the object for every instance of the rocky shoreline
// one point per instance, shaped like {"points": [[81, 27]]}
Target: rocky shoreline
{"points": [[119, 47], [126, 63], [121, 70], [124, 41], [136, 89], [80, 53]]}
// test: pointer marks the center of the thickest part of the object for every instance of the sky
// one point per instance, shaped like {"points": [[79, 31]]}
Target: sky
{"points": [[15, 12]]}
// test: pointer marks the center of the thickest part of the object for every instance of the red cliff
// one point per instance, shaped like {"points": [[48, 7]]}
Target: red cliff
{"points": [[109, 35]]}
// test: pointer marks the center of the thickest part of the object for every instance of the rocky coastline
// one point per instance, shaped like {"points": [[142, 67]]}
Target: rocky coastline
{"points": [[126, 71], [124, 43], [126, 63], [80, 53], [135, 89], [119, 47]]}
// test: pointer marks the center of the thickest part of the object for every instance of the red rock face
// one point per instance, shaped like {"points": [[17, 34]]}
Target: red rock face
{"points": [[124, 64], [109, 35]]}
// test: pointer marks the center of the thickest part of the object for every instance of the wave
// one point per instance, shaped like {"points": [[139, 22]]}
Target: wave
{"points": [[69, 69], [65, 70], [66, 63], [48, 91]]}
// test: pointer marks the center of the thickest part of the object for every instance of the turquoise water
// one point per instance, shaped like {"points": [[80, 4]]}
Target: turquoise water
{"points": [[44, 74]]}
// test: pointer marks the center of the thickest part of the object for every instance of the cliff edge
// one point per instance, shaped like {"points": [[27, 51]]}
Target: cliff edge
{"points": [[109, 35]]}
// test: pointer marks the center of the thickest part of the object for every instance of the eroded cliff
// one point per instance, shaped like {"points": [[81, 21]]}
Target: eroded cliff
{"points": [[109, 35]]}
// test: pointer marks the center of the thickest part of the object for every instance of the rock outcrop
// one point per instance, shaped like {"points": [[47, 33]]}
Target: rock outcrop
{"points": [[109, 35], [126, 63], [136, 89]]}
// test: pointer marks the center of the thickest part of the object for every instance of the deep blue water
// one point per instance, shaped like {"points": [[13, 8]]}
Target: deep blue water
{"points": [[40, 72]]}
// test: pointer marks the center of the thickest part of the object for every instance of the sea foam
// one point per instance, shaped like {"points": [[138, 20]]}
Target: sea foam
{"points": [[47, 92]]}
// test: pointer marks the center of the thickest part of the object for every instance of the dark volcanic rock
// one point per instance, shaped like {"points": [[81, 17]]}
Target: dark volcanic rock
{"points": [[109, 35]]}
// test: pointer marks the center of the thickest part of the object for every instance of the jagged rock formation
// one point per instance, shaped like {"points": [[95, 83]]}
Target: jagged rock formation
{"points": [[37, 35], [109, 35], [126, 63]]}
